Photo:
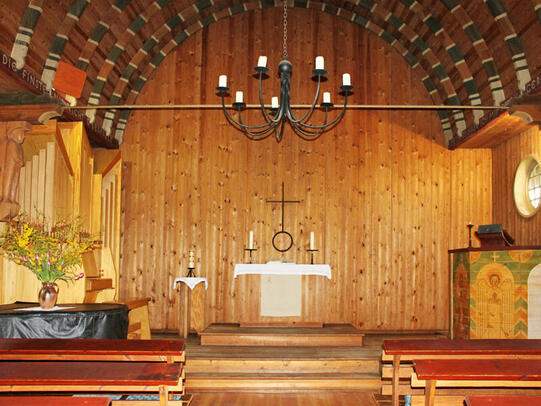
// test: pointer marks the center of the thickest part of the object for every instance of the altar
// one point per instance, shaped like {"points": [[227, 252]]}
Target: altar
{"points": [[281, 293]]}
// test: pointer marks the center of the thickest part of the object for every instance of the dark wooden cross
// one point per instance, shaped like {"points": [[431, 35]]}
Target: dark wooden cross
{"points": [[283, 202]]}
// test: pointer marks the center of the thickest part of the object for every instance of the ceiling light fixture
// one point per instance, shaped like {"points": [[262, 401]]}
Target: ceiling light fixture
{"points": [[280, 109]]}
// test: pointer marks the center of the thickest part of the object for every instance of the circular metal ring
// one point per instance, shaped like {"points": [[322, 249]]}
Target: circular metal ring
{"points": [[290, 241]]}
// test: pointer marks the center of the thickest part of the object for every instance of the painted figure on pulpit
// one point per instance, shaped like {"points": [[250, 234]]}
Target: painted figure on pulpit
{"points": [[495, 302]]}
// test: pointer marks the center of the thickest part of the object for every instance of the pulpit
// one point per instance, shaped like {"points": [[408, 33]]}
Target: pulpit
{"points": [[280, 293], [496, 292]]}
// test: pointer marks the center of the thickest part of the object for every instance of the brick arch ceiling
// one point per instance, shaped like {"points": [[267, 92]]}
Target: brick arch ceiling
{"points": [[467, 53]]}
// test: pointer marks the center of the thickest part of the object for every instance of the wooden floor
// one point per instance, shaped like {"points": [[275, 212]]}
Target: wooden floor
{"points": [[284, 399]]}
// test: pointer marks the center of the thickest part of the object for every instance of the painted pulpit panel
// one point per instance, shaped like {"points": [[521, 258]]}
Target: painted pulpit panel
{"points": [[491, 290]]}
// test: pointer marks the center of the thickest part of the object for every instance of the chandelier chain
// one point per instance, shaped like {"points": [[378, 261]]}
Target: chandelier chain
{"points": [[285, 30]]}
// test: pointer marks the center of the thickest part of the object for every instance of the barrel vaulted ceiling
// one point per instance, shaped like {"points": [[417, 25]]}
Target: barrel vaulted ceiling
{"points": [[467, 52]]}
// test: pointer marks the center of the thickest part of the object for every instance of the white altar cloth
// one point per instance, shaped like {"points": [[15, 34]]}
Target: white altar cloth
{"points": [[283, 269], [191, 282]]}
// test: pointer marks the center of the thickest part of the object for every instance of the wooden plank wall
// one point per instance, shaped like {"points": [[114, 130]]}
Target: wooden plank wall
{"points": [[378, 191], [507, 157]]}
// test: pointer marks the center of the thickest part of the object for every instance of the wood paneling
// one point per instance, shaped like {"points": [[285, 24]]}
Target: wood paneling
{"points": [[377, 191], [506, 158]]}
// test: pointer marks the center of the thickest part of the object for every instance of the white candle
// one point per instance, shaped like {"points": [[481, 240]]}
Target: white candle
{"points": [[346, 79], [312, 244], [320, 63], [191, 264], [239, 97], [251, 240], [222, 81], [274, 103], [326, 97], [262, 62]]}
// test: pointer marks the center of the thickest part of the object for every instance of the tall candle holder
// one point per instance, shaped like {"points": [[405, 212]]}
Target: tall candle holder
{"points": [[470, 226], [311, 251], [250, 250]]}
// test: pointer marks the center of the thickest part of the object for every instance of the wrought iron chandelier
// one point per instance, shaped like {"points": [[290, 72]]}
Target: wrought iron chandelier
{"points": [[280, 110]]}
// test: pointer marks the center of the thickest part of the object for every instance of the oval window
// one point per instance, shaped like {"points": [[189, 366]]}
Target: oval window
{"points": [[527, 187]]}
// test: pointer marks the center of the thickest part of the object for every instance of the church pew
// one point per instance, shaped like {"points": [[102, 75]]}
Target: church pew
{"points": [[503, 400], [92, 350], [87, 377], [402, 352], [54, 401], [509, 373]]}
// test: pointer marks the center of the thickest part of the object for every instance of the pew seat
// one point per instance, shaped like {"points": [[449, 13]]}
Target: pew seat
{"points": [[54, 401], [503, 400], [466, 373], [397, 357]]}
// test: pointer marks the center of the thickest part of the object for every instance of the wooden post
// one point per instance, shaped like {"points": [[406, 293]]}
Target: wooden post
{"points": [[430, 392], [396, 379]]}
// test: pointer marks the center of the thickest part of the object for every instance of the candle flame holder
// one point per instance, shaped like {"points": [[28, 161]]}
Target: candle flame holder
{"points": [[250, 250], [311, 251]]}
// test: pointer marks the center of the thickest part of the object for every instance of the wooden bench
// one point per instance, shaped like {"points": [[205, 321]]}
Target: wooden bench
{"points": [[89, 365], [54, 401], [509, 373], [92, 350], [402, 352], [503, 400]]}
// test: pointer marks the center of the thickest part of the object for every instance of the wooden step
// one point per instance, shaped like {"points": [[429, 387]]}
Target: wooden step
{"points": [[343, 335], [266, 365], [282, 381]]}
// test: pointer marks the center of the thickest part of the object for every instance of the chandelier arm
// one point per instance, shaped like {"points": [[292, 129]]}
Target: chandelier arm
{"points": [[307, 115], [242, 126], [277, 135], [256, 135], [327, 126], [267, 117], [304, 133]]}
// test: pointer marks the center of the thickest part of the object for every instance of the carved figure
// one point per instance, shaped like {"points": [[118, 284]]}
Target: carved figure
{"points": [[13, 162]]}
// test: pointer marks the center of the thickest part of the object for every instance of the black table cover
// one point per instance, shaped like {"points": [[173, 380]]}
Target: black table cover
{"points": [[88, 320]]}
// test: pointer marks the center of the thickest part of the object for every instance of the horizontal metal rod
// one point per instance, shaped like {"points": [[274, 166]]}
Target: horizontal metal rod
{"points": [[294, 106]]}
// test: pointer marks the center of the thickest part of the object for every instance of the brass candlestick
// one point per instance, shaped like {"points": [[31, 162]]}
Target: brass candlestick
{"points": [[470, 226]]}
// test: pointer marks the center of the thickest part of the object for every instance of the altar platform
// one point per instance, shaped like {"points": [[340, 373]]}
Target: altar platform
{"points": [[238, 367], [333, 335]]}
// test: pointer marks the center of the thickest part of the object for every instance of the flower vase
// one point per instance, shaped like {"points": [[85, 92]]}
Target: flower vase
{"points": [[48, 295]]}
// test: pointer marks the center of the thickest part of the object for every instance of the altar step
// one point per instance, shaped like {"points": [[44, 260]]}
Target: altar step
{"points": [[277, 382], [330, 335], [250, 368]]}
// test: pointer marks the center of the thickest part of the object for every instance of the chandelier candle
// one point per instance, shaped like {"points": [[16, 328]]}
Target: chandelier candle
{"points": [[320, 63], [274, 103], [326, 97], [262, 62], [346, 79], [312, 243], [239, 97], [251, 240], [222, 81]]}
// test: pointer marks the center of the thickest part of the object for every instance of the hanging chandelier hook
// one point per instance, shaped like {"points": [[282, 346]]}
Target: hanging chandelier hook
{"points": [[285, 31]]}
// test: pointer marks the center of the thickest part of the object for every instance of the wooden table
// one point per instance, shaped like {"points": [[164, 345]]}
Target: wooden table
{"points": [[191, 310], [78, 320], [398, 351], [475, 372]]}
